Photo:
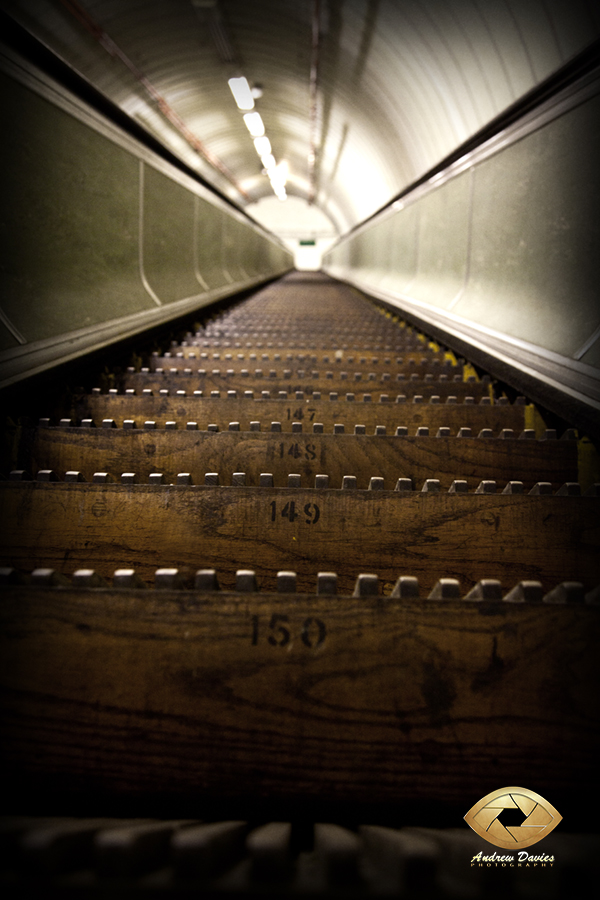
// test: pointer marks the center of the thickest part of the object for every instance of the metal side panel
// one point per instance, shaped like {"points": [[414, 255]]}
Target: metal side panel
{"points": [[100, 237], [507, 250], [70, 221]]}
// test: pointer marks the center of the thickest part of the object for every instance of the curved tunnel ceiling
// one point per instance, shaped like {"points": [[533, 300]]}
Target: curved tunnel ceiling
{"points": [[399, 84]]}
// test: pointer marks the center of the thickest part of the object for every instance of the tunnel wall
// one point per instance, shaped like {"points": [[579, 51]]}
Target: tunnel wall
{"points": [[101, 238], [501, 251]]}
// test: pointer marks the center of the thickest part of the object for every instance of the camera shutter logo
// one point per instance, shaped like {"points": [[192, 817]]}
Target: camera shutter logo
{"points": [[539, 818]]}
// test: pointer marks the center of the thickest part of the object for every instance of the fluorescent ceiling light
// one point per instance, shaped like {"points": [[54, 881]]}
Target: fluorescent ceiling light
{"points": [[268, 161], [263, 145], [279, 175], [254, 124], [241, 92], [276, 184]]}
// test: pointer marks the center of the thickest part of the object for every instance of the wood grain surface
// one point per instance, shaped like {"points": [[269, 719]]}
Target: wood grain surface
{"points": [[465, 536], [118, 450], [411, 353], [285, 696], [353, 341], [175, 381], [221, 411], [357, 370]]}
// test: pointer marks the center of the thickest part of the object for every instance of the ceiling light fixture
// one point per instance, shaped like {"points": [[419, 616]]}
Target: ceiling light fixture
{"points": [[280, 174], [241, 92], [268, 161], [254, 124], [263, 145]]}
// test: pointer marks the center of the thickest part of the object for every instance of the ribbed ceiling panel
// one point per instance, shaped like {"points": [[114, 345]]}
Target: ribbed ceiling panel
{"points": [[401, 83]]}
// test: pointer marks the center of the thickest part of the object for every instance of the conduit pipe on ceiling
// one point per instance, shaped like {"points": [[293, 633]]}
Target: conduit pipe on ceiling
{"points": [[105, 41], [314, 81]]}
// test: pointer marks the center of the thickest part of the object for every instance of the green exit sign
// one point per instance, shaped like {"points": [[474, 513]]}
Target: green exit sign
{"points": [[307, 243]]}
